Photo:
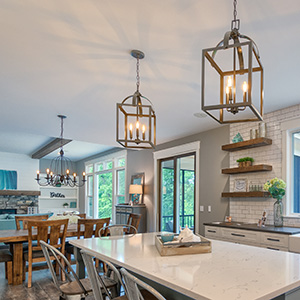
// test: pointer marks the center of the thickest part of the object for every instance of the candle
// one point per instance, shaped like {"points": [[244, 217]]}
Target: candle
{"points": [[137, 126], [143, 131], [83, 174], [48, 171], [227, 94], [74, 175], [37, 174], [130, 131], [245, 88], [229, 84]]}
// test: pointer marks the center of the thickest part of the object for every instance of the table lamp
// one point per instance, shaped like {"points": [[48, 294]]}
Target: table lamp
{"points": [[135, 190]]}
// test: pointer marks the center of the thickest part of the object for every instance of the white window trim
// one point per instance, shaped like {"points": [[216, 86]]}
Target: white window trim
{"points": [[288, 128], [103, 159], [174, 151]]}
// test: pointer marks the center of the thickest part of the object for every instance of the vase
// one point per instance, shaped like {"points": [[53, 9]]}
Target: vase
{"points": [[278, 213]]}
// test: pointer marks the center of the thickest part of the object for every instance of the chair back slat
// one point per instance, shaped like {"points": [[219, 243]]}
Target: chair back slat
{"points": [[24, 220], [134, 220], [82, 216], [90, 227]]}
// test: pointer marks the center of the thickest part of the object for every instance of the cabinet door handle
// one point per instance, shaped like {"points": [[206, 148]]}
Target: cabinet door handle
{"points": [[213, 231], [236, 234], [273, 240], [272, 248]]}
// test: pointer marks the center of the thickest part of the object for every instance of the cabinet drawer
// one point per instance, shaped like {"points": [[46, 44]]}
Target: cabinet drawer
{"points": [[242, 236], [129, 210], [212, 232], [275, 240]]}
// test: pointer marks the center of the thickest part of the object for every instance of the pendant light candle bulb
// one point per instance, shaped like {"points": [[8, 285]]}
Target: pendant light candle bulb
{"points": [[68, 171], [37, 174], [137, 126], [48, 171], [245, 89], [229, 88], [130, 131], [143, 131]]}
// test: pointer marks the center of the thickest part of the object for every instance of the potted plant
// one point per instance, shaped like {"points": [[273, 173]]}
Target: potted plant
{"points": [[66, 205], [245, 162]]}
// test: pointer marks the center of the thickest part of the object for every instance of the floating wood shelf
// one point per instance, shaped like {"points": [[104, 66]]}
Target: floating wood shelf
{"points": [[247, 144], [255, 168], [19, 193], [257, 194]]}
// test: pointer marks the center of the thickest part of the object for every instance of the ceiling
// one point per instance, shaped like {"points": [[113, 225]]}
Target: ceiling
{"points": [[73, 57]]}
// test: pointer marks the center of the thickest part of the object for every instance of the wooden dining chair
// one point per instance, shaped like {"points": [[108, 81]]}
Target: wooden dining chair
{"points": [[138, 289], [87, 228], [23, 220], [134, 220], [82, 216], [74, 286], [6, 257], [52, 232]]}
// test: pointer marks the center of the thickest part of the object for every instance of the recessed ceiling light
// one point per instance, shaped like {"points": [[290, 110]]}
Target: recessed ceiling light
{"points": [[200, 115]]}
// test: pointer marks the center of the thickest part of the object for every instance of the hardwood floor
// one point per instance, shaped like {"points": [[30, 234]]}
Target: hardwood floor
{"points": [[42, 288]]}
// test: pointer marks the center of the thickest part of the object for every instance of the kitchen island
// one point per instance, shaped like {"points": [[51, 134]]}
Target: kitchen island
{"points": [[230, 271]]}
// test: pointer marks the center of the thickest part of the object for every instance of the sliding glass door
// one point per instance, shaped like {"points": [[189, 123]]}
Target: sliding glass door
{"points": [[177, 193]]}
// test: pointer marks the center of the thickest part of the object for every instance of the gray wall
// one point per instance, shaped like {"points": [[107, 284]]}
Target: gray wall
{"points": [[142, 162], [212, 182]]}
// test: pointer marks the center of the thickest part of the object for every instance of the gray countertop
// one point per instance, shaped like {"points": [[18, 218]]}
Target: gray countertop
{"points": [[253, 226]]}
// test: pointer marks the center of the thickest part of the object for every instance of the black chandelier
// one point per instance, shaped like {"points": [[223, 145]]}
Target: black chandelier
{"points": [[238, 72], [136, 120], [60, 169]]}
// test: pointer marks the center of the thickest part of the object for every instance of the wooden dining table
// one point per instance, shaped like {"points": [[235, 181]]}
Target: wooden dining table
{"points": [[16, 238]]}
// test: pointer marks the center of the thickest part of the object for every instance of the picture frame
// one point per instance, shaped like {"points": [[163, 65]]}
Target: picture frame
{"points": [[240, 185], [138, 178]]}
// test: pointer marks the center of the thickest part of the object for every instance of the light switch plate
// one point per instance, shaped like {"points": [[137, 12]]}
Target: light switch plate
{"points": [[209, 208], [201, 208]]}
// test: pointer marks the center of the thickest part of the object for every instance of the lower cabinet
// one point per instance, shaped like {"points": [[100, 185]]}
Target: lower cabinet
{"points": [[268, 240], [123, 212]]}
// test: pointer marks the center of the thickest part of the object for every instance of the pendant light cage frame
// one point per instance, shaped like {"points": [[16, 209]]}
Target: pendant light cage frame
{"points": [[254, 66], [130, 113]]}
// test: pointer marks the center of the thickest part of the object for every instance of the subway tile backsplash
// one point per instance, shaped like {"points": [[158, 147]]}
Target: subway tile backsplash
{"points": [[251, 209]]}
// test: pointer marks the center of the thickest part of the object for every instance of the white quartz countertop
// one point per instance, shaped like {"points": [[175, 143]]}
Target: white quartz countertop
{"points": [[231, 271]]}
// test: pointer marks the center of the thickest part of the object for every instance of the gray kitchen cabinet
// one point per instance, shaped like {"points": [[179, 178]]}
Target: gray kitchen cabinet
{"points": [[123, 211]]}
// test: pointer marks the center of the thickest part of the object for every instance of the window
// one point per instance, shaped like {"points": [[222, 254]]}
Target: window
{"points": [[296, 171], [291, 165], [106, 185]]}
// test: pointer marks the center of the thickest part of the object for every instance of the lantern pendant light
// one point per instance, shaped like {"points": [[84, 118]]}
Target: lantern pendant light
{"points": [[136, 119], [234, 65]]}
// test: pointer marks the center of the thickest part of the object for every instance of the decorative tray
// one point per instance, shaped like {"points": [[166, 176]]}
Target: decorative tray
{"points": [[204, 246]]}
